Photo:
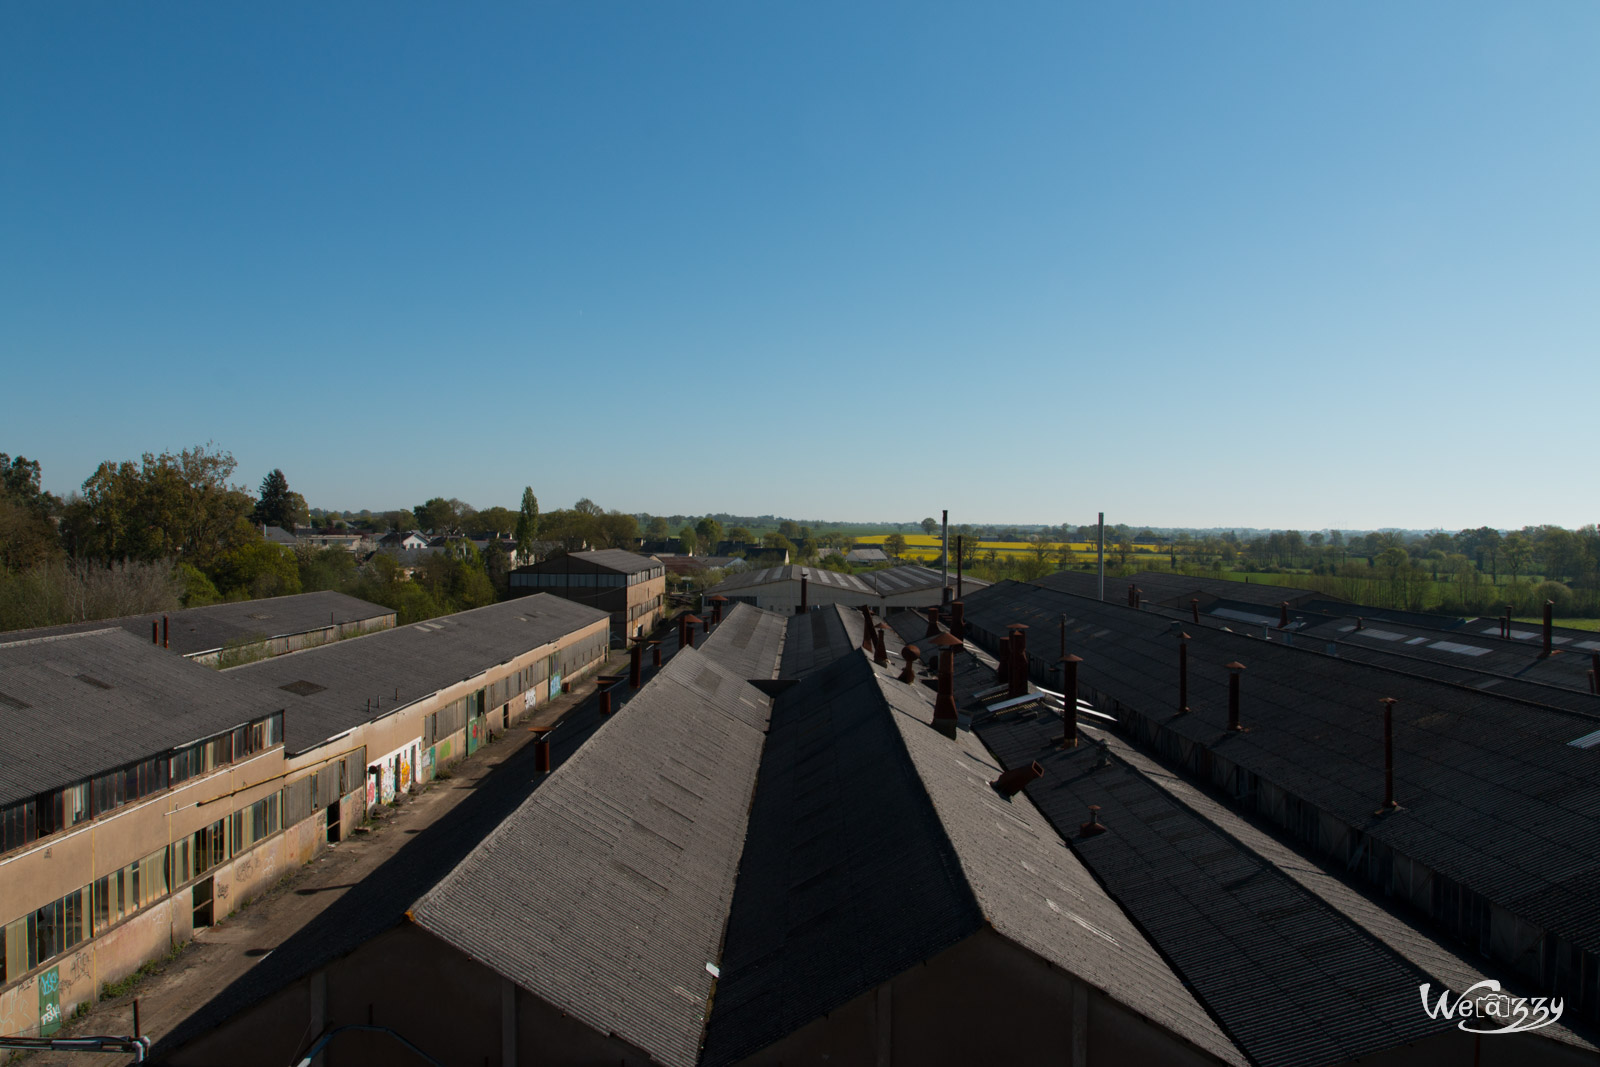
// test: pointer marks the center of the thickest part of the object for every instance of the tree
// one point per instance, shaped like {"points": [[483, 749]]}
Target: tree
{"points": [[440, 516], [929, 525], [256, 570], [586, 506], [527, 523], [688, 540], [710, 532], [742, 535], [778, 541], [1517, 550], [492, 522], [895, 545], [789, 528], [657, 529], [27, 536], [278, 505]]}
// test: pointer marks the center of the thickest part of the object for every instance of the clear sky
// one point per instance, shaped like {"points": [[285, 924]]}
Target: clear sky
{"points": [[1296, 265]]}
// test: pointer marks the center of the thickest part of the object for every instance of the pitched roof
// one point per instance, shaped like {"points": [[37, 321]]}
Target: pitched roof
{"points": [[817, 638], [76, 705], [1494, 794], [819, 577], [418, 660], [748, 642], [192, 631], [621, 866], [617, 559], [876, 843]]}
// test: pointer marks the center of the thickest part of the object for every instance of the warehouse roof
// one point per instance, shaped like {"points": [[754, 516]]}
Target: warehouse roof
{"points": [[913, 578], [76, 705], [748, 642], [193, 631], [333, 688], [1496, 794], [1176, 590], [620, 869], [875, 843], [790, 572], [611, 559], [817, 638]]}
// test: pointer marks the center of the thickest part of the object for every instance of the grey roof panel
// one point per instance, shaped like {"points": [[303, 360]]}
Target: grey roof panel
{"points": [[748, 643], [643, 827]]}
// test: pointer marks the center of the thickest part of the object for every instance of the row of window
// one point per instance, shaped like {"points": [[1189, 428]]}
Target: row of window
{"points": [[49, 931], [639, 611], [540, 579], [28, 820]]}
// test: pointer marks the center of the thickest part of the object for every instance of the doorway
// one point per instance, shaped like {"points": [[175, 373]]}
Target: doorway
{"points": [[203, 903], [334, 825]]}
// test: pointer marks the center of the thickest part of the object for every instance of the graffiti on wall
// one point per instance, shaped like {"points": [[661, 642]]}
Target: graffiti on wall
{"points": [[527, 699], [50, 1002], [14, 1017], [393, 772]]}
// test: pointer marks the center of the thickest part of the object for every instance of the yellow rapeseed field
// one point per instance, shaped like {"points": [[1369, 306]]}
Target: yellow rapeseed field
{"points": [[926, 546]]}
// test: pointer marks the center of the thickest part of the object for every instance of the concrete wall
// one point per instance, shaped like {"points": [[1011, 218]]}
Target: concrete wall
{"points": [[277, 646]]}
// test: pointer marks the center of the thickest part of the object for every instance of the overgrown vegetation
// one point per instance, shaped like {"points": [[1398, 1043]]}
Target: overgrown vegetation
{"points": [[124, 986]]}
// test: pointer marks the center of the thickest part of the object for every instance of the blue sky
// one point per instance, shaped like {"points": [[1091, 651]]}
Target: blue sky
{"points": [[1192, 264]]}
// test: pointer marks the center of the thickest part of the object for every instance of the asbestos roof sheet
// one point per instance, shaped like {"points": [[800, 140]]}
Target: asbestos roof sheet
{"points": [[818, 577], [1292, 981], [748, 642], [1176, 590], [356, 681], [77, 705], [1492, 795], [195, 630], [876, 843], [621, 867], [818, 638]]}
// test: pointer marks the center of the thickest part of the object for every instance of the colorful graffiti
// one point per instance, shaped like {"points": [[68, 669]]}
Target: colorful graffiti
{"points": [[50, 1002]]}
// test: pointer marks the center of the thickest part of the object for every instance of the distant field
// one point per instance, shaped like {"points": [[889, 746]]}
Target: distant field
{"points": [[1573, 624]]}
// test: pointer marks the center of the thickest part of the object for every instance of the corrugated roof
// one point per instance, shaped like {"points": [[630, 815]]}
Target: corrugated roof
{"points": [[417, 660], [875, 843], [196, 630], [748, 642], [790, 572], [1175, 590], [817, 638], [620, 869], [617, 559], [76, 705], [1492, 795]]}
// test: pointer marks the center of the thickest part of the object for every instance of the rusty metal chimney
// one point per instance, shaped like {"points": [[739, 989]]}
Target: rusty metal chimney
{"points": [[1361, 624], [155, 632], [1194, 609], [1069, 701], [716, 608], [605, 699], [1183, 674], [1093, 826], [1233, 695], [945, 718], [1388, 753], [805, 603], [958, 619], [880, 651], [655, 653], [705, 627], [165, 631], [1138, 599], [1017, 680], [1549, 627], [910, 653], [933, 622], [689, 623], [1133, 595], [635, 664], [1283, 615], [541, 753], [1505, 627], [1012, 782], [1002, 661], [958, 567], [866, 628]]}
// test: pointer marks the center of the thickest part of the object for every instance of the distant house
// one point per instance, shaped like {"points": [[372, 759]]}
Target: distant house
{"points": [[395, 541], [870, 554], [277, 535]]}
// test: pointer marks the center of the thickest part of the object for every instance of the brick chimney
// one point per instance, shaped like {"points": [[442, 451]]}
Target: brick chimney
{"points": [[1017, 679], [945, 718]]}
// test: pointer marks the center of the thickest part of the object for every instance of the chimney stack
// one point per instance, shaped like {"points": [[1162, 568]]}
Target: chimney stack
{"points": [[1138, 599], [1283, 615], [804, 602], [155, 632], [958, 570], [1183, 674], [716, 609], [1093, 826], [945, 718], [958, 619], [1233, 695], [541, 753], [1388, 753], [1002, 661], [866, 628], [1012, 782], [1549, 627], [655, 653], [908, 673], [1018, 678], [705, 627], [1506, 624], [689, 623], [933, 622], [1069, 701], [1194, 609], [880, 651], [635, 664], [605, 698], [1361, 624], [165, 631], [1132, 596]]}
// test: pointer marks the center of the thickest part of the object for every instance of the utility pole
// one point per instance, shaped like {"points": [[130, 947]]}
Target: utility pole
{"points": [[944, 552]]}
